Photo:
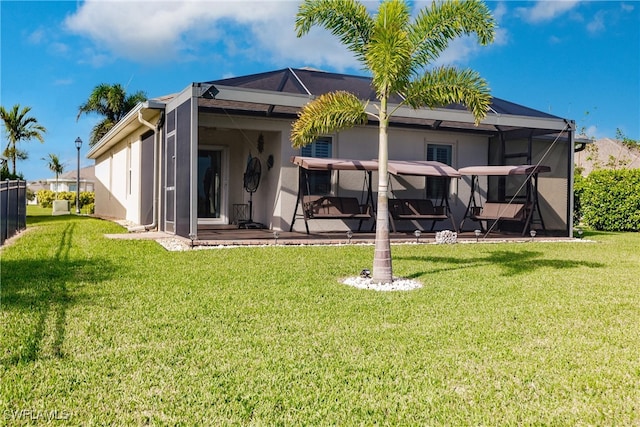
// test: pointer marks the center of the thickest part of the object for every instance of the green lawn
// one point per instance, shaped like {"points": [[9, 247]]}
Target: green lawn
{"points": [[111, 332]]}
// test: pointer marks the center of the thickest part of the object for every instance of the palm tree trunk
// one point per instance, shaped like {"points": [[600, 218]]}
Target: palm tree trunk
{"points": [[382, 270]]}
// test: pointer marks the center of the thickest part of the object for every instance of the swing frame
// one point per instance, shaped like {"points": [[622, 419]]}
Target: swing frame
{"points": [[328, 206], [507, 210]]}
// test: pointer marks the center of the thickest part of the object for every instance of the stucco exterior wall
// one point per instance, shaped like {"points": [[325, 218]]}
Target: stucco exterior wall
{"points": [[118, 179]]}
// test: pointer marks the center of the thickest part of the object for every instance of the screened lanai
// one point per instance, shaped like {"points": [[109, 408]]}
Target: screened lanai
{"points": [[162, 144]]}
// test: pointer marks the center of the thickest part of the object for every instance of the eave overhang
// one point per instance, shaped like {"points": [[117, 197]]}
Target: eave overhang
{"points": [[268, 102], [128, 124]]}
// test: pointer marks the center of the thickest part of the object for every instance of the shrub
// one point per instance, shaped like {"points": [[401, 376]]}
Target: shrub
{"points": [[610, 200], [46, 198], [578, 187]]}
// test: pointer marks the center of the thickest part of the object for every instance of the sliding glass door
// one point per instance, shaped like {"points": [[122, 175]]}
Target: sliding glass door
{"points": [[212, 186]]}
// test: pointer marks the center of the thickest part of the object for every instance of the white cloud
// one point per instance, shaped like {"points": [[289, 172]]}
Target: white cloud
{"points": [[546, 10], [36, 37], [166, 31], [63, 82], [597, 24], [626, 7], [500, 11]]}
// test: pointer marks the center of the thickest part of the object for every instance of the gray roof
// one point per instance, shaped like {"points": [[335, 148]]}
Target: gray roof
{"points": [[311, 83]]}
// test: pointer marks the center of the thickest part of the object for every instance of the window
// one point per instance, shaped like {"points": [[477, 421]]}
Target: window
{"points": [[319, 181], [437, 187]]}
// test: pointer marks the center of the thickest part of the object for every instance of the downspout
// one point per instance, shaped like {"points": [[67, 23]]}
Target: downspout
{"points": [[156, 141]]}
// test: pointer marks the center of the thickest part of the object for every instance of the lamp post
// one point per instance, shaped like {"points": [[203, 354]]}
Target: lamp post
{"points": [[78, 145]]}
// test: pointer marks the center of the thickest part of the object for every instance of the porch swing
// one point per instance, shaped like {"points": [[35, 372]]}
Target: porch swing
{"points": [[422, 209], [333, 207], [508, 209]]}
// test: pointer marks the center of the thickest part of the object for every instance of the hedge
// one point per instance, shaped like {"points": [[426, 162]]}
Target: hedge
{"points": [[87, 198], [610, 199]]}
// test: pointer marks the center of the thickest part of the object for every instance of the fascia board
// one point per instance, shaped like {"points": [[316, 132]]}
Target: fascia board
{"points": [[187, 93], [467, 117], [230, 93], [105, 142], [126, 125]]}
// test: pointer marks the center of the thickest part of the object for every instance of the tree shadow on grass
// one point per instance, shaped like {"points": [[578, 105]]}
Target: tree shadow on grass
{"points": [[511, 263], [35, 296]]}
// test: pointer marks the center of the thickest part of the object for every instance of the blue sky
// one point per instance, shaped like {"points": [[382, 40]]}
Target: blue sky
{"points": [[576, 59]]}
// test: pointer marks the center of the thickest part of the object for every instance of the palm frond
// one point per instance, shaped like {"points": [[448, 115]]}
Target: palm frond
{"points": [[99, 130], [326, 114], [439, 24], [346, 19], [447, 85], [389, 52]]}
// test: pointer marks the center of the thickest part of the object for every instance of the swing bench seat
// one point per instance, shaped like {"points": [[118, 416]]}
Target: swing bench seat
{"points": [[498, 211], [415, 209], [331, 207]]}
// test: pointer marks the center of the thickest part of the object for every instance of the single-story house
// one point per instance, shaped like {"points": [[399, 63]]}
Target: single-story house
{"points": [[180, 163], [65, 182], [68, 180]]}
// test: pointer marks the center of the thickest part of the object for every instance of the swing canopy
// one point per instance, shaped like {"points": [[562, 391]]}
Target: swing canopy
{"points": [[395, 167], [504, 170]]}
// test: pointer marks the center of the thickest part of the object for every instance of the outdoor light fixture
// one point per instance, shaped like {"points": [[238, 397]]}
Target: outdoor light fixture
{"points": [[580, 233], [532, 233], [349, 235], [192, 237], [276, 234], [78, 146], [417, 233], [477, 233]]}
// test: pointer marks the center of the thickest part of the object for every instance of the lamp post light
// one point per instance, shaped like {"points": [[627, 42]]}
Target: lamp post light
{"points": [[477, 233], [417, 233], [276, 234], [349, 236], [580, 233], [532, 233], [78, 146]]}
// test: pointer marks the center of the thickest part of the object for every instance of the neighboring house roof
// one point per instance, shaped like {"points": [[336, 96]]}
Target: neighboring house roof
{"points": [[36, 186], [607, 153], [86, 174]]}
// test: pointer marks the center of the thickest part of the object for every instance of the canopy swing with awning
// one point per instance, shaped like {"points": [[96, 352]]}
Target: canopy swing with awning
{"points": [[328, 207], [511, 208], [395, 167]]}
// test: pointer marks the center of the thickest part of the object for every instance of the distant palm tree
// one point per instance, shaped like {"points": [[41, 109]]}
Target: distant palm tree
{"points": [[19, 127], [112, 103], [55, 166], [398, 51]]}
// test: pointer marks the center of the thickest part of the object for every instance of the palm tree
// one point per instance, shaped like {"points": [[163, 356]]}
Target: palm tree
{"points": [[112, 103], [55, 166], [398, 51], [19, 127]]}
